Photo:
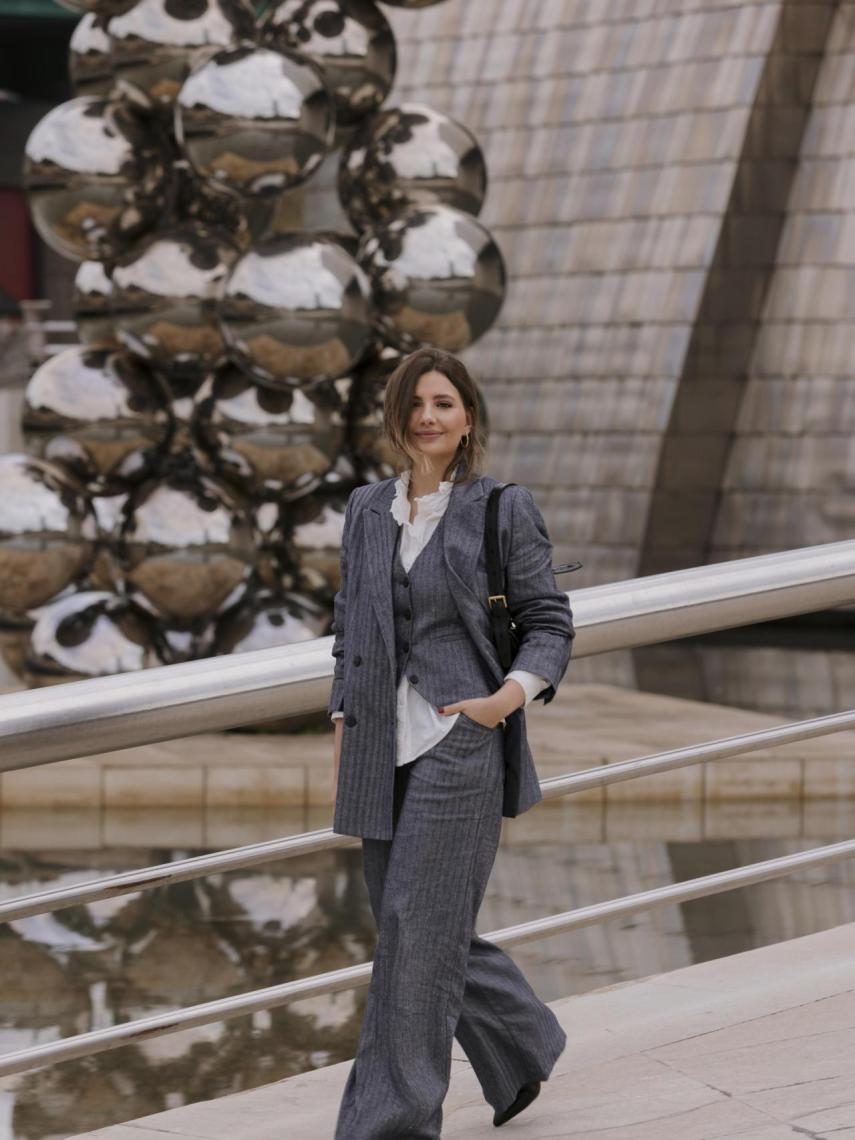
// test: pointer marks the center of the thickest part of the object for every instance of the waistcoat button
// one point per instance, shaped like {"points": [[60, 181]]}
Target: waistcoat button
{"points": [[357, 660], [405, 580], [406, 647], [414, 679], [350, 721], [408, 614]]}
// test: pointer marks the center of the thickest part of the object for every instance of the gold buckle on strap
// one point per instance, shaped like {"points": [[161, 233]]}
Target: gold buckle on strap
{"points": [[497, 598]]}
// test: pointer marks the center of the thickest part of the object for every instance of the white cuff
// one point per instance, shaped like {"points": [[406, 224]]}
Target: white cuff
{"points": [[336, 715], [532, 684]]}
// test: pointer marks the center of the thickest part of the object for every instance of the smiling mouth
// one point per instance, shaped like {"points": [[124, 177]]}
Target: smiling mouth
{"points": [[427, 434]]}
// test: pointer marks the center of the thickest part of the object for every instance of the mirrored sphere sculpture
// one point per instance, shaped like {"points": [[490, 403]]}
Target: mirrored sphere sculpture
{"points": [[438, 278], [47, 532], [176, 645], [311, 533], [350, 41], [89, 67], [93, 633], [266, 620], [266, 441], [165, 291], [187, 547], [410, 156], [197, 202], [255, 121], [91, 305], [296, 308], [14, 638], [105, 573], [95, 178], [101, 7], [366, 436], [156, 43], [99, 414]]}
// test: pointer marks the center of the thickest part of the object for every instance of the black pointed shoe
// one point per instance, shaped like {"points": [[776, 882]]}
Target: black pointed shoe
{"points": [[524, 1098]]}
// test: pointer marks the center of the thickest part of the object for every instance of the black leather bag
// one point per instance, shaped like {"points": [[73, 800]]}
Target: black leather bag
{"points": [[506, 638]]}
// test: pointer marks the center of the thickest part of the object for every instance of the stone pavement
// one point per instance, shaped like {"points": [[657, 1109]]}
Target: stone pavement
{"points": [[757, 1046]]}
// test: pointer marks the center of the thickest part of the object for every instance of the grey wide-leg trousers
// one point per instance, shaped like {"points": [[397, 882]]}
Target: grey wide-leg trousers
{"points": [[433, 978]]}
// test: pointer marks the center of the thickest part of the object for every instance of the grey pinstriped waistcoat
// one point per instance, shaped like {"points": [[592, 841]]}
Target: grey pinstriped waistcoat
{"points": [[425, 616]]}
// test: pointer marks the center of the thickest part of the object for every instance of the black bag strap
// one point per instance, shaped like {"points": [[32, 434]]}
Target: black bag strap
{"points": [[496, 573], [496, 577]]}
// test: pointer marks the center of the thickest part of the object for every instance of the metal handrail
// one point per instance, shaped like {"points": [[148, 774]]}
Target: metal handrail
{"points": [[161, 1024], [165, 874], [83, 718], [179, 700]]}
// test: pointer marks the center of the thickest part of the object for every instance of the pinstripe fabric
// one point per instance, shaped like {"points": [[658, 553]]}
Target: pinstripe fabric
{"points": [[433, 631], [433, 977], [364, 644]]}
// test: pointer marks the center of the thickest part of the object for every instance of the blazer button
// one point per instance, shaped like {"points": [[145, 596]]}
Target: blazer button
{"points": [[414, 679], [350, 721], [357, 660]]}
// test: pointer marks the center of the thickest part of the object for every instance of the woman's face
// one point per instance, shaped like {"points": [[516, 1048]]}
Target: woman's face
{"points": [[437, 418]]}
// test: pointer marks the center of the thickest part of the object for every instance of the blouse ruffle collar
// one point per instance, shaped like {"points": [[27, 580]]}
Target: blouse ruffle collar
{"points": [[427, 506]]}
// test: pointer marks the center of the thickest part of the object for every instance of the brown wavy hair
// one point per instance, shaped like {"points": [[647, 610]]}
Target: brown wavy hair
{"points": [[398, 402]]}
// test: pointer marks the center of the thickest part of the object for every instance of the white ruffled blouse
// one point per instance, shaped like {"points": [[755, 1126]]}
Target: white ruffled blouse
{"points": [[419, 725]]}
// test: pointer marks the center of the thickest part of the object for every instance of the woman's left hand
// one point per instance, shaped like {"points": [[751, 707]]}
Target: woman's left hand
{"points": [[480, 709]]}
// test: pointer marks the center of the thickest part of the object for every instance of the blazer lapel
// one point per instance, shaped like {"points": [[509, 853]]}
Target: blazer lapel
{"points": [[462, 537], [380, 531]]}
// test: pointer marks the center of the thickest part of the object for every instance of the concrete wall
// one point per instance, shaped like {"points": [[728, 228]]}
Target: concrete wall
{"points": [[790, 473], [656, 170]]}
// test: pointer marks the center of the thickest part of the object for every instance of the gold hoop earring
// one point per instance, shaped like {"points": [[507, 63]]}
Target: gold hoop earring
{"points": [[466, 444]]}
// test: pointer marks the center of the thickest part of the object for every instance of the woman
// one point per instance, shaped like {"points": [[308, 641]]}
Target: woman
{"points": [[426, 720]]}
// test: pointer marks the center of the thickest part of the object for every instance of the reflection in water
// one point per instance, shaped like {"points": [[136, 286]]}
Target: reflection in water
{"points": [[124, 958]]}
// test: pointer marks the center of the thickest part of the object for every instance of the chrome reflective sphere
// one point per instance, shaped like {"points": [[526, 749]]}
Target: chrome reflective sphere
{"points": [[47, 532], [14, 637], [101, 7], [155, 44], [311, 533], [95, 178], [90, 634], [187, 547], [89, 65], [91, 305], [296, 308], [266, 620], [176, 645], [366, 436], [270, 441], [105, 573], [438, 278], [99, 414], [164, 298], [349, 40], [197, 202], [255, 121], [410, 156]]}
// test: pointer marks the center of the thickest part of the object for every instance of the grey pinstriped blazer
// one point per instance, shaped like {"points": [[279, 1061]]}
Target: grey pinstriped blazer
{"points": [[364, 644]]}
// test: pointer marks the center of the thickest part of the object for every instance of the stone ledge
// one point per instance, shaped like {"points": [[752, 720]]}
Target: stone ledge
{"points": [[584, 726]]}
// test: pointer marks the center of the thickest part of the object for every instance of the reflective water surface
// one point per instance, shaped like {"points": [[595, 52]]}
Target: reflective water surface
{"points": [[93, 966]]}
